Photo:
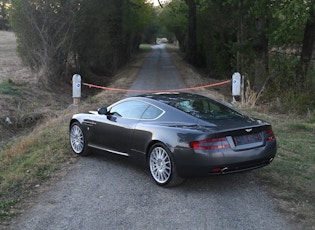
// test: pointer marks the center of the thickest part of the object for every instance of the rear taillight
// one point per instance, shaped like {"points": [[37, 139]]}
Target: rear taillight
{"points": [[269, 135], [210, 144]]}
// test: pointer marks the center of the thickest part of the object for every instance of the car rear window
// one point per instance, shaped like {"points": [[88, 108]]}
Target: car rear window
{"points": [[205, 109], [197, 105]]}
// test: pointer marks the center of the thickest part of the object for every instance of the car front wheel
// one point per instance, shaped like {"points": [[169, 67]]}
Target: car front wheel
{"points": [[162, 166], [78, 140]]}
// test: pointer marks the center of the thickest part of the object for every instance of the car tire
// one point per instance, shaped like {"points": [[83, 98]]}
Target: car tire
{"points": [[162, 167], [78, 140]]}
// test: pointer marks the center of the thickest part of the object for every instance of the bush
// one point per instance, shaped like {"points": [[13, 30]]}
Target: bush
{"points": [[281, 89]]}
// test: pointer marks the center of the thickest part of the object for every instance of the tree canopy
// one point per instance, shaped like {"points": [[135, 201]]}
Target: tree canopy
{"points": [[269, 41], [4, 20], [57, 37]]}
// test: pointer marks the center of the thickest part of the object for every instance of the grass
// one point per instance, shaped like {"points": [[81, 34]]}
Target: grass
{"points": [[291, 176], [30, 160], [8, 87], [145, 47]]}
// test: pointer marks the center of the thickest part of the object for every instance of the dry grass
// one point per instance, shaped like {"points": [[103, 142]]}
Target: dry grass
{"points": [[10, 65], [22, 100]]}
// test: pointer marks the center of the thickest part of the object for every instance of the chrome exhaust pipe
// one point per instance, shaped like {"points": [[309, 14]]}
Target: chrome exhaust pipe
{"points": [[224, 170]]}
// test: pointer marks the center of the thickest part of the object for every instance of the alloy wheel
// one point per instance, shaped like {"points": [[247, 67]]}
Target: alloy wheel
{"points": [[160, 165], [77, 139]]}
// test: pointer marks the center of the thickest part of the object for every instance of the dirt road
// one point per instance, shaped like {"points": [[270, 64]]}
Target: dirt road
{"points": [[105, 191], [158, 73]]}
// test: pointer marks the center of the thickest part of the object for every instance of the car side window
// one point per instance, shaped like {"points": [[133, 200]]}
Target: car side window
{"points": [[152, 113], [129, 109]]}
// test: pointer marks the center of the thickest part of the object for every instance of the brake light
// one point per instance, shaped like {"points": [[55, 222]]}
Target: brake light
{"points": [[210, 144], [270, 135]]}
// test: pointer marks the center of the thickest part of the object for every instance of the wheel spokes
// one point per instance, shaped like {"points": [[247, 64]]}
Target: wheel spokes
{"points": [[160, 165], [77, 139]]}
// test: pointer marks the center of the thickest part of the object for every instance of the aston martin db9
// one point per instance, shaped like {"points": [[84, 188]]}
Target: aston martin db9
{"points": [[177, 135]]}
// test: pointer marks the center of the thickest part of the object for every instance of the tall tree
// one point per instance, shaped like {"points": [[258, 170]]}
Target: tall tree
{"points": [[44, 31], [89, 36], [179, 23], [191, 53], [108, 33], [307, 51], [260, 47]]}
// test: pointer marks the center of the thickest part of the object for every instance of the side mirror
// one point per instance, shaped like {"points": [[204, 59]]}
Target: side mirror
{"points": [[102, 111]]}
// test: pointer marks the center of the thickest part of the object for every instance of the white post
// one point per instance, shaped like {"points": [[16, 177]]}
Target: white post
{"points": [[76, 89], [236, 85]]}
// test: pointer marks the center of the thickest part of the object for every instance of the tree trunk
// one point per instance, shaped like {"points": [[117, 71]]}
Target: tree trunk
{"points": [[191, 54], [116, 33], [306, 53], [261, 53]]}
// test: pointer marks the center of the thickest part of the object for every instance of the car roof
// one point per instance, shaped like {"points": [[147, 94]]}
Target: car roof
{"points": [[167, 97]]}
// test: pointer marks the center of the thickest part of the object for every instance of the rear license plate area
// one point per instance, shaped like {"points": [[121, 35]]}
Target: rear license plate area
{"points": [[247, 139]]}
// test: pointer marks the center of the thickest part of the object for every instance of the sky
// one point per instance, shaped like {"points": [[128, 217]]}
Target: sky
{"points": [[156, 3]]}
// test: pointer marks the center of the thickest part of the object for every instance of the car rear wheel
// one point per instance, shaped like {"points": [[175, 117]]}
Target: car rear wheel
{"points": [[78, 140], [162, 166]]}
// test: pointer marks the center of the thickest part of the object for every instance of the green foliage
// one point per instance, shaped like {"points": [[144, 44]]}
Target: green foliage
{"points": [[282, 72], [144, 47], [174, 18], [280, 91], [5, 207], [4, 22], [312, 120], [242, 40], [97, 37], [288, 18], [214, 36], [109, 33], [138, 16], [8, 87]]}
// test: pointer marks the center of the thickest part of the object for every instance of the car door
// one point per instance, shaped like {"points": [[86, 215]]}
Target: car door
{"points": [[114, 132]]}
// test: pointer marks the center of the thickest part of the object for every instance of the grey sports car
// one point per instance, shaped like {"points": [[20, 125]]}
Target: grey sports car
{"points": [[177, 135]]}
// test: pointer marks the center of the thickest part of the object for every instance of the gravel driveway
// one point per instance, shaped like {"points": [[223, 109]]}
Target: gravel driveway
{"points": [[105, 191], [157, 73]]}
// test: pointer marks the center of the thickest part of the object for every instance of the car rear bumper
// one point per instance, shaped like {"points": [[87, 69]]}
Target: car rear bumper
{"points": [[190, 163]]}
